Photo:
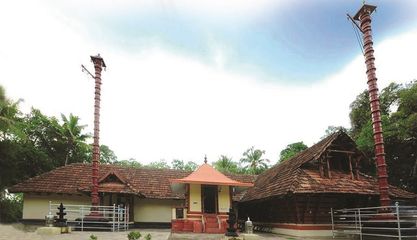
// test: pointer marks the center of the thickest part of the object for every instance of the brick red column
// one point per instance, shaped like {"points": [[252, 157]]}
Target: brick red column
{"points": [[98, 66], [364, 15]]}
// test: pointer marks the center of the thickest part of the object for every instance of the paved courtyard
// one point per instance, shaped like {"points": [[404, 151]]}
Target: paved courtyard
{"points": [[23, 232]]}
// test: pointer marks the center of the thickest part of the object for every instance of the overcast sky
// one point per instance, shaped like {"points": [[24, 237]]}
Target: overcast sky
{"points": [[189, 78]]}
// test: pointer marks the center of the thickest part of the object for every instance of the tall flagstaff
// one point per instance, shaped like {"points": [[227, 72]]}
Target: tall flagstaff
{"points": [[364, 18], [98, 66]]}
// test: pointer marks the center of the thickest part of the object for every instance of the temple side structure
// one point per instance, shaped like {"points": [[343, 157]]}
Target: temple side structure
{"points": [[295, 197]]}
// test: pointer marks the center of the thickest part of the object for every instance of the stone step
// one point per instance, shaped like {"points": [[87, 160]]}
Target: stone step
{"points": [[212, 225], [214, 230], [211, 219]]}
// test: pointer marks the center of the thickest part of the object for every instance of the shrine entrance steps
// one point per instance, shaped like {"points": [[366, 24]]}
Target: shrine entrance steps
{"points": [[212, 224], [207, 223]]}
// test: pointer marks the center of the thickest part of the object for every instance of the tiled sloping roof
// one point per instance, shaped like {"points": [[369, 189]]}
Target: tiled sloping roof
{"points": [[246, 178], [311, 182], [283, 177], [206, 174], [290, 177], [241, 178], [76, 178]]}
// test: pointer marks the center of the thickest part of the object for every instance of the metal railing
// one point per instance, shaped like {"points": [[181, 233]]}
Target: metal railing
{"points": [[219, 222], [393, 222], [87, 217], [203, 223]]}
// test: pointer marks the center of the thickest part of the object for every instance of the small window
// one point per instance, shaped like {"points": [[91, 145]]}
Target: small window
{"points": [[179, 213]]}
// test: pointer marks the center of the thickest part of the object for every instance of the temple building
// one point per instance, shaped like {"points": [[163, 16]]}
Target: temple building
{"points": [[209, 196], [294, 197], [155, 197]]}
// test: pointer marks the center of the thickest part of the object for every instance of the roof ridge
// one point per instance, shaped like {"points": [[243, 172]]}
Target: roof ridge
{"points": [[283, 176], [295, 179], [322, 141]]}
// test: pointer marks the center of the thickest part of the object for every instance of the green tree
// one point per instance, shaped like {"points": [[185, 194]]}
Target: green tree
{"points": [[42, 148], [107, 156], [399, 120], [161, 164], [253, 162], [291, 150], [33, 143], [73, 137], [226, 164], [11, 208], [180, 165], [39, 148], [360, 110], [332, 129], [9, 113], [401, 138], [129, 163]]}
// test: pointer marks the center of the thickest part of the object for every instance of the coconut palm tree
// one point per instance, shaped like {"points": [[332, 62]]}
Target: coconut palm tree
{"points": [[253, 160], [73, 136], [226, 164], [8, 113]]}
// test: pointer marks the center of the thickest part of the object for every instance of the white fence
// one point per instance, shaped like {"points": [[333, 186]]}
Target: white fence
{"points": [[394, 222], [87, 217]]}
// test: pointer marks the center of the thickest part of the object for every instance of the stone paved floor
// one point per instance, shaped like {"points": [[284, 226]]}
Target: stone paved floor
{"points": [[189, 236], [262, 236], [22, 232]]}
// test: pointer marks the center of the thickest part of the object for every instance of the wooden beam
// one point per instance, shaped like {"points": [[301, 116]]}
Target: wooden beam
{"points": [[341, 151], [316, 209], [321, 170], [306, 208], [329, 175], [350, 167], [290, 209], [358, 160], [297, 212]]}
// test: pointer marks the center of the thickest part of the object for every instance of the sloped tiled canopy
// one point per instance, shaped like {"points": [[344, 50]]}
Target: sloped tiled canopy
{"points": [[206, 174]]}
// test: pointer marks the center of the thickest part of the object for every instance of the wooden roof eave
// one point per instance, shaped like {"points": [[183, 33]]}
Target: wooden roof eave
{"points": [[88, 191]]}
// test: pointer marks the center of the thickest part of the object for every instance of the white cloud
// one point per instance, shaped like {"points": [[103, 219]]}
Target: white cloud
{"points": [[227, 9], [158, 104], [230, 9]]}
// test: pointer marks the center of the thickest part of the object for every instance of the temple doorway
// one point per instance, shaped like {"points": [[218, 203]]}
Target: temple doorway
{"points": [[209, 195], [121, 200]]}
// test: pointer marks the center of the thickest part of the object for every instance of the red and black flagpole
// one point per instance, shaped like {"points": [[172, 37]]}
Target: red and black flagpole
{"points": [[98, 67], [364, 18]]}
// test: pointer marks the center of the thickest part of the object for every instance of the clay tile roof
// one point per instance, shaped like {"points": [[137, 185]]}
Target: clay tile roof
{"points": [[76, 179], [310, 181], [206, 174], [291, 177]]}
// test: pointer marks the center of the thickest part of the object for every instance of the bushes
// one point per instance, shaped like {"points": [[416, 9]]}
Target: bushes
{"points": [[93, 237], [136, 235], [11, 208]]}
